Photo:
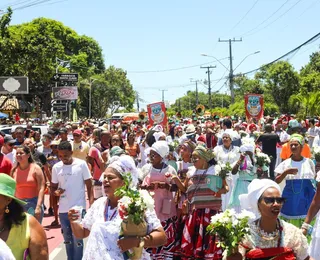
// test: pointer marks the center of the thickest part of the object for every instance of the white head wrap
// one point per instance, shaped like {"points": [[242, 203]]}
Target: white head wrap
{"points": [[125, 164], [255, 189], [157, 135], [161, 148], [158, 128], [247, 145], [230, 133]]}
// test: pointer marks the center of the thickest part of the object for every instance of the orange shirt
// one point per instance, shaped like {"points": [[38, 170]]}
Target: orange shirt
{"points": [[286, 153], [27, 186]]}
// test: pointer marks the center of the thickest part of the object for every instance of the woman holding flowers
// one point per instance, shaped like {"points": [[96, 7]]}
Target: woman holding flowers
{"points": [[299, 190], [157, 181], [269, 237], [202, 203], [246, 172], [103, 221], [227, 153]]}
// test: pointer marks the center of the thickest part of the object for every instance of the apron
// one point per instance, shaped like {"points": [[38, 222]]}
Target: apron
{"points": [[299, 194]]}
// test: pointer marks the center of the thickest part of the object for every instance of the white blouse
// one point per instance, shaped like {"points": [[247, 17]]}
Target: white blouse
{"points": [[292, 237], [102, 241], [306, 169]]}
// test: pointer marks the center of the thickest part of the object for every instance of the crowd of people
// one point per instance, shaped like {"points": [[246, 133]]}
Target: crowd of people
{"points": [[268, 167]]}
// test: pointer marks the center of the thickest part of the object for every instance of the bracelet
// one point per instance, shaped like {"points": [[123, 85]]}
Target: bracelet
{"points": [[307, 227]]}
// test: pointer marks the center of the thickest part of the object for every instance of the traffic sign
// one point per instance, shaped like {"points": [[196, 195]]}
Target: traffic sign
{"points": [[60, 107], [66, 77]]}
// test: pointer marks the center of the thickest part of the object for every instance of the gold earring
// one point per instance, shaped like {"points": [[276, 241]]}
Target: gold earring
{"points": [[7, 210]]}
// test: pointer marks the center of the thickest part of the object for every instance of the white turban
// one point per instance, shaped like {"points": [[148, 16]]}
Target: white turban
{"points": [[161, 148], [158, 128], [255, 189], [157, 135], [125, 164], [248, 145]]}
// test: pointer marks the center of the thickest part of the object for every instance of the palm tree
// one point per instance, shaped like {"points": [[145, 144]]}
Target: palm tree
{"points": [[306, 102]]}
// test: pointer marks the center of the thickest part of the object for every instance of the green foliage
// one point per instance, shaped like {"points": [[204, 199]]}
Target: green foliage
{"points": [[306, 102]]}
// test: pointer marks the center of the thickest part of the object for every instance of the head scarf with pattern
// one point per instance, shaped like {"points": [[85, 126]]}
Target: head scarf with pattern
{"points": [[203, 153]]}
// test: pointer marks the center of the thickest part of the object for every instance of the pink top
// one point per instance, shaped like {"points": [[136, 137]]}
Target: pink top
{"points": [[162, 196], [95, 154], [27, 186]]}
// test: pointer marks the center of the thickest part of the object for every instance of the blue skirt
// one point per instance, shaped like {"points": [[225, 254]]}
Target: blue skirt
{"points": [[299, 195]]}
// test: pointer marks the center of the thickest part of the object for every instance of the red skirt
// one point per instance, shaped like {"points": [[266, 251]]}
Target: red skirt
{"points": [[167, 251], [196, 243], [279, 253]]}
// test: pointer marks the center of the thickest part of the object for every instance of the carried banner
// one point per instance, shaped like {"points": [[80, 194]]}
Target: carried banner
{"points": [[65, 93], [157, 114], [253, 106]]}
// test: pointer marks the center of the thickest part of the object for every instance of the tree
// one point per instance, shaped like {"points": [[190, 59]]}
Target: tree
{"points": [[111, 90], [310, 74], [306, 102], [282, 81], [30, 49]]}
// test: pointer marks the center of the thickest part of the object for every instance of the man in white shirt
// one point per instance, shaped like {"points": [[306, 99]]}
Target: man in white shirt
{"points": [[70, 176], [313, 132], [7, 148]]}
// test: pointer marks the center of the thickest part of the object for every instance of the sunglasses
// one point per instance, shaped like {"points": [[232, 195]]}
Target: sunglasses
{"points": [[11, 144], [115, 140], [270, 200]]}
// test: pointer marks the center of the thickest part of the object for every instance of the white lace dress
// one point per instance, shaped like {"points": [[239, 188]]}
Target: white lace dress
{"points": [[102, 241], [292, 237], [231, 156]]}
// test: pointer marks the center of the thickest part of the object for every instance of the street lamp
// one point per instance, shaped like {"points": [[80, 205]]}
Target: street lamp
{"points": [[256, 52], [206, 55], [90, 84]]}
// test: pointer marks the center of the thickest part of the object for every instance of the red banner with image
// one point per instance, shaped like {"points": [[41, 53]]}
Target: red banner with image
{"points": [[157, 114], [254, 106]]}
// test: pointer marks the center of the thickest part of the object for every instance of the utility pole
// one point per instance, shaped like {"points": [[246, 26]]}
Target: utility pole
{"points": [[197, 96], [137, 98], [209, 83], [231, 66], [163, 90]]}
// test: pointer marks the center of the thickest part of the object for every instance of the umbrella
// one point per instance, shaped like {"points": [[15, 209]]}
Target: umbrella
{"points": [[3, 115]]}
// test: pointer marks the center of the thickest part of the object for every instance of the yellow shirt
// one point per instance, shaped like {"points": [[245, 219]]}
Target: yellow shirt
{"points": [[80, 150], [19, 238]]}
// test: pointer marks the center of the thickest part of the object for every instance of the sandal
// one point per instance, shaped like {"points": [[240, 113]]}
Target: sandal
{"points": [[55, 223]]}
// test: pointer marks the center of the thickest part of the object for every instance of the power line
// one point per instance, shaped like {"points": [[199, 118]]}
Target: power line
{"points": [[312, 39], [173, 69], [246, 14], [268, 18], [288, 10]]}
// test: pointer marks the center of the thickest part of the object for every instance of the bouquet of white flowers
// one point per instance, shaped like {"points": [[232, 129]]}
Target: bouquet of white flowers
{"points": [[222, 169], [132, 208], [230, 229], [316, 153], [262, 160]]}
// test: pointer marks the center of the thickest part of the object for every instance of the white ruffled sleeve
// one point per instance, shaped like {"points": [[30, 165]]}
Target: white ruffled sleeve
{"points": [[152, 220], [294, 239], [94, 213]]}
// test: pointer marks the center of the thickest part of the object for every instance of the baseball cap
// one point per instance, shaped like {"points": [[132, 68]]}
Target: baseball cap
{"points": [[63, 131], [77, 132], [9, 139]]}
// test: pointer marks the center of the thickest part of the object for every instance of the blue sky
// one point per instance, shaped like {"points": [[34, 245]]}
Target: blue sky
{"points": [[142, 36]]}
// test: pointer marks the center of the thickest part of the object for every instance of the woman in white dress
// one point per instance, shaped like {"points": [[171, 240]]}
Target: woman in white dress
{"points": [[269, 237], [315, 231], [102, 221], [227, 153]]}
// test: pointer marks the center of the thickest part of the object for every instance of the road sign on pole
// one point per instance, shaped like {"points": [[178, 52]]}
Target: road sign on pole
{"points": [[67, 77], [59, 107]]}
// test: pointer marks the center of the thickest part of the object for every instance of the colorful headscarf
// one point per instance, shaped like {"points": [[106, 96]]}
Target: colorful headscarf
{"points": [[203, 153], [297, 137], [190, 146]]}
